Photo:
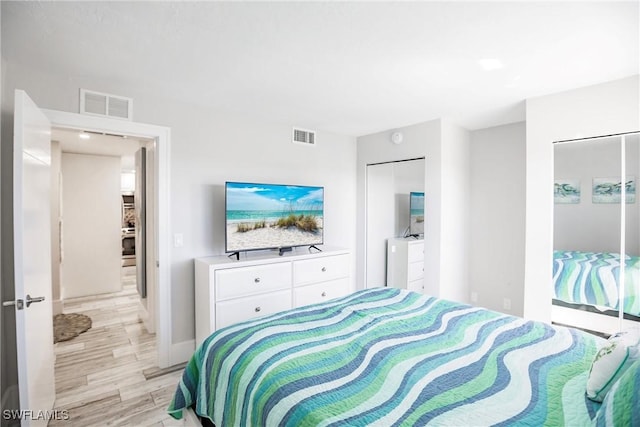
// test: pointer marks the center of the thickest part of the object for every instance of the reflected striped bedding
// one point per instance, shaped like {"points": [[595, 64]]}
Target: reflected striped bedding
{"points": [[591, 278], [389, 357]]}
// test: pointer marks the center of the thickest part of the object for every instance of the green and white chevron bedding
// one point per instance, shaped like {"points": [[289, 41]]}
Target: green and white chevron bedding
{"points": [[390, 357], [591, 278]]}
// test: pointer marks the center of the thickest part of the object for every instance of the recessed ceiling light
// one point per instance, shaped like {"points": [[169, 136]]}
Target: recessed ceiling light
{"points": [[84, 136], [489, 64]]}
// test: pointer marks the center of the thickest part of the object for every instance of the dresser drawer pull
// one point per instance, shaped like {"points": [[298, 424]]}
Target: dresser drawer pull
{"points": [[257, 309], [324, 269], [257, 280], [324, 294]]}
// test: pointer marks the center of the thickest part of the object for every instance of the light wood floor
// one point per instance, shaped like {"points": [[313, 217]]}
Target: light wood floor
{"points": [[100, 375]]}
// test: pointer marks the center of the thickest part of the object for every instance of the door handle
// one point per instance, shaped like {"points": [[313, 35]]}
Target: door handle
{"points": [[30, 300]]}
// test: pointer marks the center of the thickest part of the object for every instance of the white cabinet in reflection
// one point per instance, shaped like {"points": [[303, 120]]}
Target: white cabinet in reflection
{"points": [[405, 263]]}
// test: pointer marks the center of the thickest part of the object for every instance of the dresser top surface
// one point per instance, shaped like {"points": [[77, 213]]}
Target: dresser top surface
{"points": [[262, 257]]}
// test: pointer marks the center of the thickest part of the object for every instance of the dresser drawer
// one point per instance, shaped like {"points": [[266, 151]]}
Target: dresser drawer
{"points": [[416, 285], [415, 271], [320, 269], [240, 309], [241, 281], [415, 252], [320, 292]]}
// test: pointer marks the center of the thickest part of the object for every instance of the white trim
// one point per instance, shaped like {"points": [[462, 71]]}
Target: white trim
{"points": [[590, 321], [623, 229], [182, 351], [162, 136], [57, 306]]}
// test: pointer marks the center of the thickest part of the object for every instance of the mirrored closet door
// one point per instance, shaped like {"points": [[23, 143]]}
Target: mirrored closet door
{"points": [[596, 219], [389, 186]]}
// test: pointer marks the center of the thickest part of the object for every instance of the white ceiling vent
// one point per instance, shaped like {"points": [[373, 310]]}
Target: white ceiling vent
{"points": [[106, 105], [304, 136]]}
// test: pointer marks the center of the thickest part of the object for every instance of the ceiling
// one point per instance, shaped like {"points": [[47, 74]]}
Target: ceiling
{"points": [[351, 68], [99, 144]]}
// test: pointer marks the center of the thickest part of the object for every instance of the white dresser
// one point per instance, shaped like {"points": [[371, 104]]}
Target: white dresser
{"points": [[405, 263], [230, 291]]}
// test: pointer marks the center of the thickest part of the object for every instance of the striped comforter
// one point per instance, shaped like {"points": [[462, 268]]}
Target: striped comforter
{"points": [[385, 357], [591, 278]]}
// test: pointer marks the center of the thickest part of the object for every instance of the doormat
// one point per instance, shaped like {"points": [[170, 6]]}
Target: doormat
{"points": [[68, 326]]}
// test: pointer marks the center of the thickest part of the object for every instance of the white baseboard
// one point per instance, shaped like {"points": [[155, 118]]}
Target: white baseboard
{"points": [[57, 306], [181, 352]]}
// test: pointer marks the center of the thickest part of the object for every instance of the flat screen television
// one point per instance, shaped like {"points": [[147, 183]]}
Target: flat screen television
{"points": [[416, 213], [272, 216]]}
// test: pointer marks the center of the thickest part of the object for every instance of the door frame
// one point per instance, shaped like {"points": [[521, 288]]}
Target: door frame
{"points": [[162, 137]]}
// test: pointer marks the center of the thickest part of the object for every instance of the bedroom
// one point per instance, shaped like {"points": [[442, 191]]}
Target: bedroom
{"points": [[234, 145]]}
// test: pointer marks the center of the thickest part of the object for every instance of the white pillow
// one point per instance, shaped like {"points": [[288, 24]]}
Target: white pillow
{"points": [[610, 363]]}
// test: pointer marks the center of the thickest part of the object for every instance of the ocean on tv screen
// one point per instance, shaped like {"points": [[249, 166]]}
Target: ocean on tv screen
{"points": [[260, 216]]}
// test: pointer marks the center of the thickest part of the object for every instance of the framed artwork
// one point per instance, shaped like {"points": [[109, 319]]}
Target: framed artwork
{"points": [[566, 191], [609, 190]]}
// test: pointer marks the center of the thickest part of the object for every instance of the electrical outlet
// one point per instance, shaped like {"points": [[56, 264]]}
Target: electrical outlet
{"points": [[474, 297], [506, 303]]}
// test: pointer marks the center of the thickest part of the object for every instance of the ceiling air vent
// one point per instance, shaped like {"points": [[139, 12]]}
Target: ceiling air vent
{"points": [[106, 105], [303, 136]]}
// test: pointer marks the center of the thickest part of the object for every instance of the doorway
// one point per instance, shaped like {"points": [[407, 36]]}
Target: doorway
{"points": [[159, 267], [95, 226]]}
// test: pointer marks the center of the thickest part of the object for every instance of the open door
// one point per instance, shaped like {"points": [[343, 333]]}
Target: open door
{"points": [[140, 204], [32, 260]]}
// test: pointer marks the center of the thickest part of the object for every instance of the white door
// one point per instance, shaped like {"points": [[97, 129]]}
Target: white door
{"points": [[32, 253]]}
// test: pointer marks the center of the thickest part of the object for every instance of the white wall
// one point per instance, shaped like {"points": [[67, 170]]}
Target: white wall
{"points": [[91, 225], [497, 201], [603, 109], [446, 151], [454, 241], [209, 147]]}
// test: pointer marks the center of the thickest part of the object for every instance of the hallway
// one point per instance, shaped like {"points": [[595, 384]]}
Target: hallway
{"points": [[108, 375]]}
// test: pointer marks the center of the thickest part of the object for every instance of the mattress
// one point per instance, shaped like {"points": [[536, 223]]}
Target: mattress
{"points": [[385, 357], [592, 278]]}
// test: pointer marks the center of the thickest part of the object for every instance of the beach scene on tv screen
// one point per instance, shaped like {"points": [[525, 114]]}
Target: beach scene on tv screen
{"points": [[273, 216], [417, 213]]}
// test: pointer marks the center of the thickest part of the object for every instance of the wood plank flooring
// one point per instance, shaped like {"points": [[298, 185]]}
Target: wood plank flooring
{"points": [[100, 374]]}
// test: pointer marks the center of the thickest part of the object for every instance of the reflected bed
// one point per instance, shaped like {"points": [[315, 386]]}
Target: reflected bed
{"points": [[590, 278]]}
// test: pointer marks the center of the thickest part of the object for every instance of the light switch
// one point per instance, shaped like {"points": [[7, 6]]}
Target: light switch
{"points": [[178, 240]]}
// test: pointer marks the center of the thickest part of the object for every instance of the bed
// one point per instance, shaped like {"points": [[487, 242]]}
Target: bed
{"points": [[389, 357], [588, 281]]}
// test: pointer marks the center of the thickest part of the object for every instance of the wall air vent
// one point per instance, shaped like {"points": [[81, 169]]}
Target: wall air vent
{"points": [[304, 136], [106, 105]]}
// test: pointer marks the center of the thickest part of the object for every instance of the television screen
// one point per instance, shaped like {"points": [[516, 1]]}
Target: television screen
{"points": [[269, 216], [416, 210]]}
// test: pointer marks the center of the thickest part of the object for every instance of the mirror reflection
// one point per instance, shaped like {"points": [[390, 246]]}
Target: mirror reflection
{"points": [[389, 188], [594, 201]]}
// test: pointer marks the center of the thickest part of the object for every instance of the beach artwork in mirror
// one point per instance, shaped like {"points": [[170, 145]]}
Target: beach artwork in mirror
{"points": [[609, 190], [566, 191]]}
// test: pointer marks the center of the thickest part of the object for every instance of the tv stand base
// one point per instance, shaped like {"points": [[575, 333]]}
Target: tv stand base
{"points": [[281, 251]]}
